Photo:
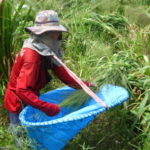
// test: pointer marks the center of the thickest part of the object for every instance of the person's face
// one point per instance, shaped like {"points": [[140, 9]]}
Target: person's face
{"points": [[54, 34]]}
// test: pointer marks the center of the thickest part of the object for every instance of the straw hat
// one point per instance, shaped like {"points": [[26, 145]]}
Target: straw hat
{"points": [[46, 20]]}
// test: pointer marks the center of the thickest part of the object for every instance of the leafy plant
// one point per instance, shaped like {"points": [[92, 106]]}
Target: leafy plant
{"points": [[11, 32]]}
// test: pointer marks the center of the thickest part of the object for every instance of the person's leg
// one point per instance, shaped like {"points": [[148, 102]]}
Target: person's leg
{"points": [[16, 129], [14, 119]]}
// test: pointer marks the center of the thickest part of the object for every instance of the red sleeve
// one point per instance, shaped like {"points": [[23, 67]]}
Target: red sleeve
{"points": [[64, 76], [26, 83]]}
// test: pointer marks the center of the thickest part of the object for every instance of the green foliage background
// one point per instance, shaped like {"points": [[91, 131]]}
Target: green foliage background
{"points": [[109, 41]]}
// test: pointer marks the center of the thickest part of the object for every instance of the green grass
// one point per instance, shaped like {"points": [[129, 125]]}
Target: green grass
{"points": [[108, 130], [6, 138]]}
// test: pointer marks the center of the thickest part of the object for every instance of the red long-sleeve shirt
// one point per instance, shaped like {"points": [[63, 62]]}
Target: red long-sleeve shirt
{"points": [[28, 76]]}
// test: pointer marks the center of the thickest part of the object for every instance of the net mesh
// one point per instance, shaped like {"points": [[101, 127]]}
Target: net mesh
{"points": [[53, 133]]}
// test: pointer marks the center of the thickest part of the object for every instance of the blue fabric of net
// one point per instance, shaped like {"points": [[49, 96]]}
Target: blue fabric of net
{"points": [[53, 133]]}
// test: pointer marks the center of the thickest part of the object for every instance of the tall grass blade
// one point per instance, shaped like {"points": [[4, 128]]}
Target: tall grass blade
{"points": [[140, 111]]}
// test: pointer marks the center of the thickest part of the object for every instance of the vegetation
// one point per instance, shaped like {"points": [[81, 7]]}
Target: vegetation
{"points": [[108, 42]]}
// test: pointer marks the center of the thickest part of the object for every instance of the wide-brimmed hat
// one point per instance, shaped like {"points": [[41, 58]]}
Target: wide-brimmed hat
{"points": [[46, 20]]}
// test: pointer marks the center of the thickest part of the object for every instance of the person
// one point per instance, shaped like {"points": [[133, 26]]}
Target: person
{"points": [[30, 74]]}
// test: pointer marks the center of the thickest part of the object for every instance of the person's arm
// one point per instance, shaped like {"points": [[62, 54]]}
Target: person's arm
{"points": [[26, 82], [64, 76]]}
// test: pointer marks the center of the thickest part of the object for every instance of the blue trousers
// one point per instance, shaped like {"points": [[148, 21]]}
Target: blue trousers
{"points": [[14, 118], [16, 129]]}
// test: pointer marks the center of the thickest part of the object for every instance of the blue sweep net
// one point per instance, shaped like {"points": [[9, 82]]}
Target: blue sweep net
{"points": [[53, 133]]}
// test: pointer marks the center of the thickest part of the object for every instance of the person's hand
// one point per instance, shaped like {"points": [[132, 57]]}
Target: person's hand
{"points": [[93, 85], [52, 110]]}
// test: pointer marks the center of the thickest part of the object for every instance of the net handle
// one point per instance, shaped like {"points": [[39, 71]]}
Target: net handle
{"points": [[81, 83]]}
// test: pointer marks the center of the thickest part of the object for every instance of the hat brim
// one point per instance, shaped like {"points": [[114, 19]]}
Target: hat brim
{"points": [[41, 29]]}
